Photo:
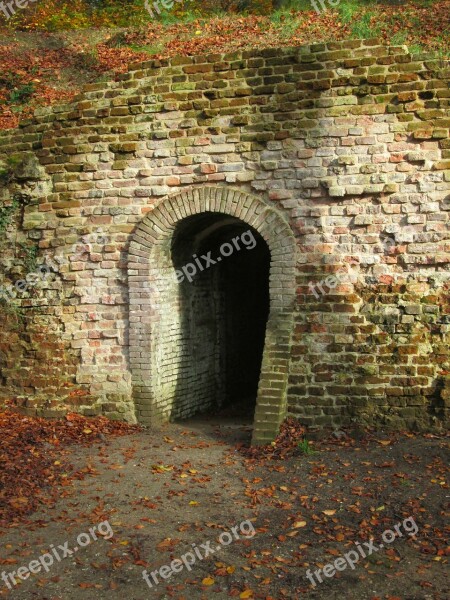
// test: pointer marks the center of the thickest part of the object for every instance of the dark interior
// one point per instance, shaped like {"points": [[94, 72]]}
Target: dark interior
{"points": [[224, 310]]}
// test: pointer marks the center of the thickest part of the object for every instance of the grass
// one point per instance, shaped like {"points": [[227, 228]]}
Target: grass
{"points": [[365, 27], [118, 40], [122, 33], [305, 448], [288, 18], [362, 27], [151, 50], [286, 23], [292, 6], [88, 60], [22, 94], [347, 11]]}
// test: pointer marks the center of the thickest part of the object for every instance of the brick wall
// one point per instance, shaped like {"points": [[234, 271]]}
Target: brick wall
{"points": [[337, 154]]}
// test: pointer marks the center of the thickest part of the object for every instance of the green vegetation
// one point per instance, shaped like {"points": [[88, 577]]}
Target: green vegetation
{"points": [[29, 252], [90, 40], [6, 214], [287, 21], [21, 94], [15, 312], [58, 15], [305, 448]]}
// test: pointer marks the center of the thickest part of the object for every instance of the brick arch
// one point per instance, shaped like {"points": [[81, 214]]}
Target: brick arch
{"points": [[153, 303]]}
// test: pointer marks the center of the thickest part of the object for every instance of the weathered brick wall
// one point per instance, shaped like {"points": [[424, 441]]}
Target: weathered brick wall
{"points": [[347, 142]]}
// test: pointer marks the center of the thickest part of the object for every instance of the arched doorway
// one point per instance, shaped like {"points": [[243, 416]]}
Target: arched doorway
{"points": [[185, 327]]}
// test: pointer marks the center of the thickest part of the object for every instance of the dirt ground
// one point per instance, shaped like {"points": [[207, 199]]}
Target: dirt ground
{"points": [[166, 492]]}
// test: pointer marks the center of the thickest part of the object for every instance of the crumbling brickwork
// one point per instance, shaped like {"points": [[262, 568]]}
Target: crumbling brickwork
{"points": [[337, 154]]}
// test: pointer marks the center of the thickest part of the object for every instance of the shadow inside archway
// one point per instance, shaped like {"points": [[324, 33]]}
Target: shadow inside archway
{"points": [[222, 266]]}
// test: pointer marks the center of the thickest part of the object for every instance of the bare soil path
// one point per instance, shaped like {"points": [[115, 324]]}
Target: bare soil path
{"points": [[175, 490]]}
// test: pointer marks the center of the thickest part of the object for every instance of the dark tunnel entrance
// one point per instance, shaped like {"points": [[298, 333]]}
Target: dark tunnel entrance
{"points": [[222, 266]]}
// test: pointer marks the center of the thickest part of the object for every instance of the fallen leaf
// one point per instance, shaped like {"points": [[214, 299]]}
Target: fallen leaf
{"points": [[298, 524]]}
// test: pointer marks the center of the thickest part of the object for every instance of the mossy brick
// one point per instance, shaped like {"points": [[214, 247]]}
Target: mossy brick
{"points": [[407, 96], [183, 86], [429, 115], [442, 123], [384, 98], [376, 79], [198, 68], [442, 165], [123, 148], [440, 134], [119, 111], [321, 84], [418, 125], [285, 88]]}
